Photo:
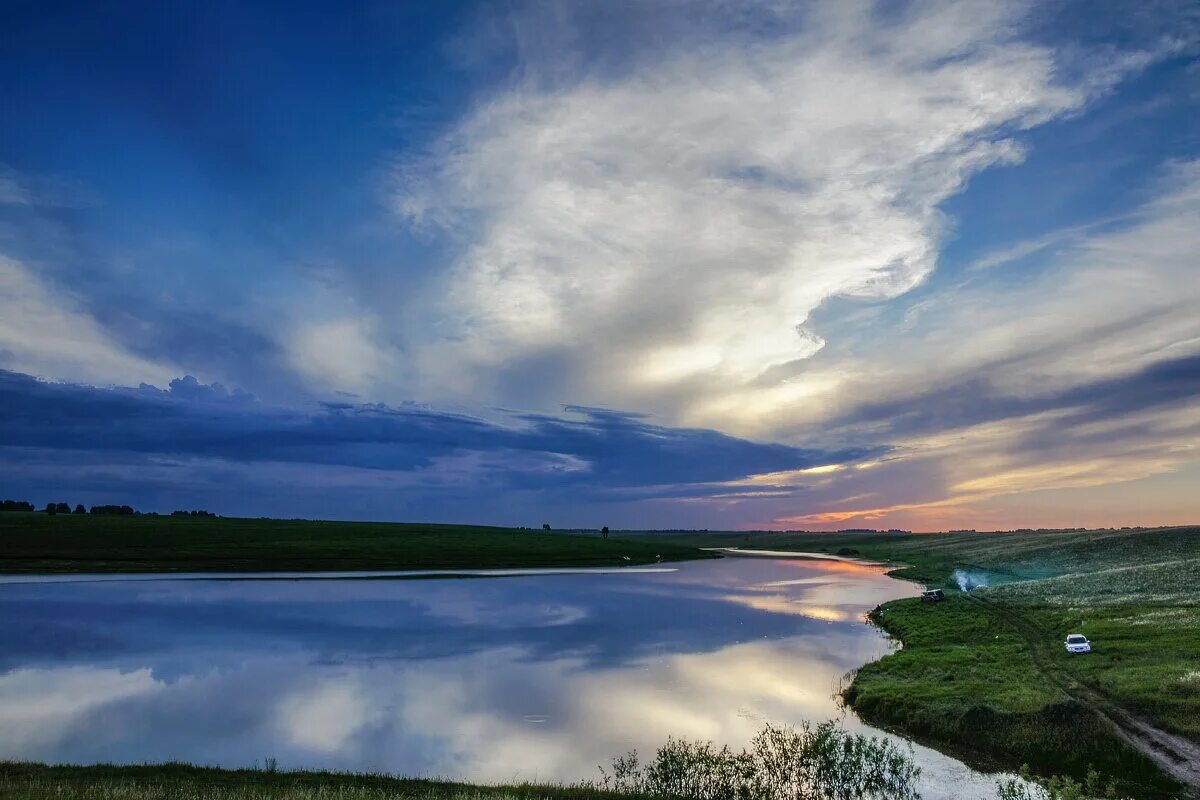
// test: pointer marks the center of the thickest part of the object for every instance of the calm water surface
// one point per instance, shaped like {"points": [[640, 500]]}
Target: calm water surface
{"points": [[531, 677]]}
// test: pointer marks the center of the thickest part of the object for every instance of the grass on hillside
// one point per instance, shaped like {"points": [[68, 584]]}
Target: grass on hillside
{"points": [[1144, 622], [982, 676], [68, 543], [1004, 556], [186, 782], [965, 679]]}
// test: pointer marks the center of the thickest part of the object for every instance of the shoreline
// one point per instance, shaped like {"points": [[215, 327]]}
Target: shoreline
{"points": [[23, 579], [39, 544], [740, 552], [26, 780], [972, 682]]}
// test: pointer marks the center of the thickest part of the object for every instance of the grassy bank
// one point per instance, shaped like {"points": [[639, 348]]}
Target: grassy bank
{"points": [[66, 543], [985, 675], [966, 680], [815, 762], [186, 782]]}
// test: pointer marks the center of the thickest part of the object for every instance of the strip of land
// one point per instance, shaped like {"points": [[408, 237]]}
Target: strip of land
{"points": [[984, 675], [175, 781], [38, 543]]}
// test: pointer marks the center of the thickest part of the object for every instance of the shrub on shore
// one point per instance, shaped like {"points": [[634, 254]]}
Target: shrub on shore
{"points": [[821, 762], [1026, 787]]}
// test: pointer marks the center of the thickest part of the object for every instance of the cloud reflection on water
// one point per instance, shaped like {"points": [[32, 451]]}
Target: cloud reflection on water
{"points": [[493, 680]]}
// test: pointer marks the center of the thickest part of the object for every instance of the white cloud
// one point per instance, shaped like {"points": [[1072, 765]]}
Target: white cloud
{"points": [[46, 332], [1109, 305], [342, 354], [670, 229]]}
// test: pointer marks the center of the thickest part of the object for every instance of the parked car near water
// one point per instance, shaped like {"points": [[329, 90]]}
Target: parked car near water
{"points": [[1078, 643]]}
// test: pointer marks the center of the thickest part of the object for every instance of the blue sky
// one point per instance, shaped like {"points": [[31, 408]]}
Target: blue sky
{"points": [[671, 264]]}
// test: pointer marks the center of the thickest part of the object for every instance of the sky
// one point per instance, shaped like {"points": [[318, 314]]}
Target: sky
{"points": [[738, 264]]}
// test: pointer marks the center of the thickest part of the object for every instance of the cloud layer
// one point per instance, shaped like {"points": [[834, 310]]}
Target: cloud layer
{"points": [[1085, 376], [593, 456], [659, 234], [46, 331]]}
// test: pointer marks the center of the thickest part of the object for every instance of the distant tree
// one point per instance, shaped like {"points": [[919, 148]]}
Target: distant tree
{"points": [[79, 509], [113, 511], [62, 508], [545, 526], [51, 509], [604, 531], [16, 505]]}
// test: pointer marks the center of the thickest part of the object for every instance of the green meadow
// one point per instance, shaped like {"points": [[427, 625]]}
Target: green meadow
{"points": [[186, 782], [85, 543]]}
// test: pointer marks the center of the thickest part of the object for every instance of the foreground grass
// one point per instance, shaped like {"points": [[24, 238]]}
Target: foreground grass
{"points": [[811, 762], [186, 782], [984, 675], [67, 543]]}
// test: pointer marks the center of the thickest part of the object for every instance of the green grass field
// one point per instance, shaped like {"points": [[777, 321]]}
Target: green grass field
{"points": [[68, 543], [985, 676], [185, 782]]}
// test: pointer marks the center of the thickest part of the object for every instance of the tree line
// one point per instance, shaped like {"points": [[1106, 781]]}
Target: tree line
{"points": [[110, 510]]}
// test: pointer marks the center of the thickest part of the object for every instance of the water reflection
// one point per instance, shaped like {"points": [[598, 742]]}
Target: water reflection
{"points": [[539, 677]]}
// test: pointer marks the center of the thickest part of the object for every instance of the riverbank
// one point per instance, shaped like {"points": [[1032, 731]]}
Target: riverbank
{"points": [[187, 782], [984, 675], [37, 543], [817, 762]]}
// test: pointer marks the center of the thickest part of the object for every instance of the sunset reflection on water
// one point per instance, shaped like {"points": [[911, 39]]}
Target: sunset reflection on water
{"points": [[525, 678]]}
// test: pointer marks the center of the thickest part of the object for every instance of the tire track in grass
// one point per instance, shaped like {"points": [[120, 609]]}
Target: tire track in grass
{"points": [[1175, 755]]}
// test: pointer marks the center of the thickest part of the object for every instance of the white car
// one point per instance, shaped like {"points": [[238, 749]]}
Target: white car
{"points": [[1078, 643]]}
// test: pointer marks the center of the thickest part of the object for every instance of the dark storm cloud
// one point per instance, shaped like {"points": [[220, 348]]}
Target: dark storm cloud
{"points": [[189, 419]]}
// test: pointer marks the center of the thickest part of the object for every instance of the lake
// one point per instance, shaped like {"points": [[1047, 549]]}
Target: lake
{"points": [[534, 676]]}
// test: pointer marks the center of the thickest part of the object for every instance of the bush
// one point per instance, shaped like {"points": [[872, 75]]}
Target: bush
{"points": [[820, 762], [1056, 788]]}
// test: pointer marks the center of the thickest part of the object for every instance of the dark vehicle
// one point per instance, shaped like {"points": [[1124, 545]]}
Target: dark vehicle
{"points": [[932, 596]]}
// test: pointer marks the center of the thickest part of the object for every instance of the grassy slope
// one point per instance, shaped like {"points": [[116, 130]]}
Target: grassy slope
{"points": [[184, 782], [968, 677], [64, 543]]}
